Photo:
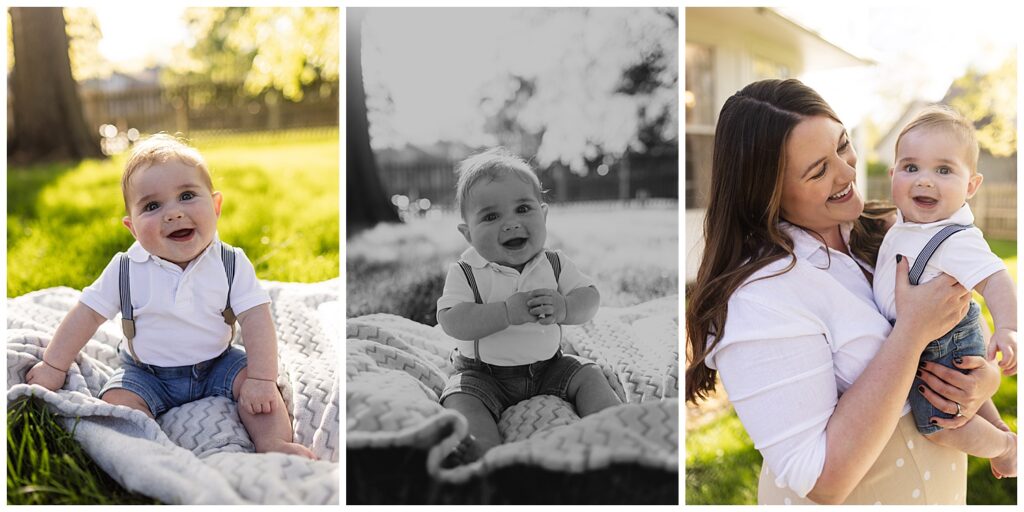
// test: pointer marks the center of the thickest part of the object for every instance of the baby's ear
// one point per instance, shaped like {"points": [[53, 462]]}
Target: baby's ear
{"points": [[973, 183], [127, 221], [464, 229], [218, 198], [544, 208]]}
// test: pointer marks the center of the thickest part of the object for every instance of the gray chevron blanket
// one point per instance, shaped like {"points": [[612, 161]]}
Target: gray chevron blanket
{"points": [[198, 453], [397, 368]]}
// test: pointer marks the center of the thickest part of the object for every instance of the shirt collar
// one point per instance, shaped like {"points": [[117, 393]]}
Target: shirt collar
{"points": [[475, 260], [961, 216], [139, 255], [805, 244]]}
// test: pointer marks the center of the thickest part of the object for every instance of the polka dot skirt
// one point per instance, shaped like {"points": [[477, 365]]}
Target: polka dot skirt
{"points": [[910, 471]]}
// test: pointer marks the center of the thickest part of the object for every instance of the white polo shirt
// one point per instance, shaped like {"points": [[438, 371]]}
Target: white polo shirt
{"points": [[516, 344], [965, 256], [178, 317], [792, 344]]}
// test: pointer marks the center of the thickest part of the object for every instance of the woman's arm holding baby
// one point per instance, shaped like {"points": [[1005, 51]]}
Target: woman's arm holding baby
{"points": [[72, 334], [259, 389]]}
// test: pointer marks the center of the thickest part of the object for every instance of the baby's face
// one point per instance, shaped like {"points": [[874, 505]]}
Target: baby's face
{"points": [[172, 212], [505, 221], [931, 178]]}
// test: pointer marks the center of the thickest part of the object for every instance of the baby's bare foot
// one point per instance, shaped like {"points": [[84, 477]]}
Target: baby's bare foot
{"points": [[1005, 465], [287, 447]]}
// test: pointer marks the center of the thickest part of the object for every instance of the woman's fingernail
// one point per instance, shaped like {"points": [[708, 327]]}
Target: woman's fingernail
{"points": [[958, 360], [921, 364], [920, 388], [933, 422], [919, 373], [899, 258]]}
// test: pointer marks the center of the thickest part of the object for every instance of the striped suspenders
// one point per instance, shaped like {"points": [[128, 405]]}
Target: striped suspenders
{"points": [[227, 257], [929, 249], [556, 266]]}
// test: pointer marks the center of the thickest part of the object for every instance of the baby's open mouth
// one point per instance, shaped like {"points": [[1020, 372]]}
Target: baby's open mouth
{"points": [[181, 235], [925, 202], [515, 243]]}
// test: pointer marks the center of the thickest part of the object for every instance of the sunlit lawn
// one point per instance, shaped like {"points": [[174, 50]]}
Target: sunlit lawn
{"points": [[280, 206], [64, 224], [632, 255], [722, 465]]}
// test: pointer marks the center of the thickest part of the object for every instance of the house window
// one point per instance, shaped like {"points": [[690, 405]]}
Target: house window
{"points": [[700, 122]]}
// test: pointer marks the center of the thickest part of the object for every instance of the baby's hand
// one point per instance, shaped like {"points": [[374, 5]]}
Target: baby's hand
{"points": [[46, 376], [257, 396], [548, 305], [1005, 340], [518, 311]]}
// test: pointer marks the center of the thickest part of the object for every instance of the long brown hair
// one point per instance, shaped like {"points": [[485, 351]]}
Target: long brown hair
{"points": [[741, 227]]}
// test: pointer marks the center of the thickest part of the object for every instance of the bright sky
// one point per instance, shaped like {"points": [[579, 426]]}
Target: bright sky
{"points": [[919, 50], [134, 32]]}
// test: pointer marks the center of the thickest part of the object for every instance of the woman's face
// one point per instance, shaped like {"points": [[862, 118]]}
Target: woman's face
{"points": [[818, 189]]}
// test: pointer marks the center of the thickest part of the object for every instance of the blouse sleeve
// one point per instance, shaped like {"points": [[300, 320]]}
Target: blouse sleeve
{"points": [[778, 371]]}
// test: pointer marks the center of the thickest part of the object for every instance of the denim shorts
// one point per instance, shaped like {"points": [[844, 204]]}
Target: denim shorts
{"points": [[165, 387], [965, 339], [501, 386]]}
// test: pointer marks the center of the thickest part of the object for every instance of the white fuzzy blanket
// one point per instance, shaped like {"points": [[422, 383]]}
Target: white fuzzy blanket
{"points": [[198, 453], [397, 368]]}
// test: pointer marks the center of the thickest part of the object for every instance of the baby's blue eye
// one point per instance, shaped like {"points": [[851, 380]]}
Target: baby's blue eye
{"points": [[524, 208], [910, 168], [490, 217], [945, 170], [151, 206], [185, 196]]}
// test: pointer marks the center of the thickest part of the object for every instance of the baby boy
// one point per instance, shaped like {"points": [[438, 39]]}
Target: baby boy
{"points": [[504, 302], [178, 288], [934, 175]]}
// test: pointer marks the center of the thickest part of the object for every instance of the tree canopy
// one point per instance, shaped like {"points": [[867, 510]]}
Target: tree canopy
{"points": [[563, 85], [282, 49], [989, 99]]}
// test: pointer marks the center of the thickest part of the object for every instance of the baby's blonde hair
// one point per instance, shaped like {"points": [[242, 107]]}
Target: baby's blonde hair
{"points": [[491, 164], [158, 149], [945, 117]]}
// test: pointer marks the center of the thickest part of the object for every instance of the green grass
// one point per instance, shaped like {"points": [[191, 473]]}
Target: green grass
{"points": [[46, 466], [280, 205], [400, 269], [64, 224], [722, 465]]}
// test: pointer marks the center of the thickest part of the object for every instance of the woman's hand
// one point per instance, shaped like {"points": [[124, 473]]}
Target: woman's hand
{"points": [[929, 310], [946, 387]]}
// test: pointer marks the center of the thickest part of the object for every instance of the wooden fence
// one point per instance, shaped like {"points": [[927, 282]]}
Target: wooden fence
{"points": [[216, 107], [643, 177]]}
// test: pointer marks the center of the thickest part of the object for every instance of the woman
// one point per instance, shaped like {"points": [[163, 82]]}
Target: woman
{"points": [[782, 309]]}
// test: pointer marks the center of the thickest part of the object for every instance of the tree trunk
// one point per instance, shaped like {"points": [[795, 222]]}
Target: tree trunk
{"points": [[368, 203], [48, 121]]}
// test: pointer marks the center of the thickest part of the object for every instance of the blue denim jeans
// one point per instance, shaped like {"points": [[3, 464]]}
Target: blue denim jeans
{"points": [[965, 339], [501, 386], [166, 387]]}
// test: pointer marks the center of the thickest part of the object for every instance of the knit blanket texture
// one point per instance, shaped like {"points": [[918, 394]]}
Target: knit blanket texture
{"points": [[396, 369], [198, 453]]}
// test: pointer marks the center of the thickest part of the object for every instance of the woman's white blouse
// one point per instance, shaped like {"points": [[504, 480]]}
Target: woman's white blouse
{"points": [[792, 344]]}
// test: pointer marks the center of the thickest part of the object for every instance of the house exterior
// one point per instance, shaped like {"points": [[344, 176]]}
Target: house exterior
{"points": [[727, 48]]}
